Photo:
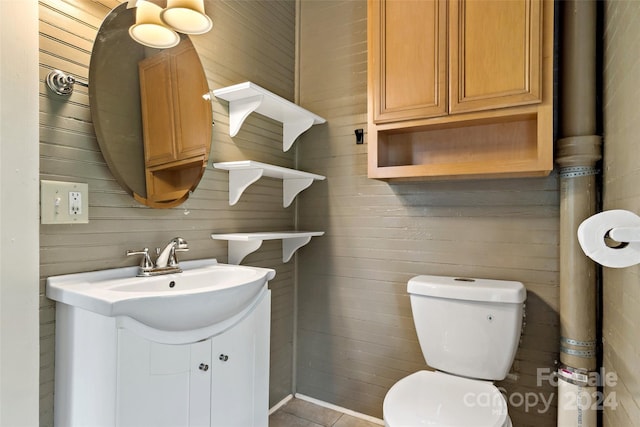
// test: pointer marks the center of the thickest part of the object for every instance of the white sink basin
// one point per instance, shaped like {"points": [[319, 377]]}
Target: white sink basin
{"points": [[204, 294]]}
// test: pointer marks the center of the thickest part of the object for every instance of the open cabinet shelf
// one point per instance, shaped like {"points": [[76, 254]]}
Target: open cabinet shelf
{"points": [[245, 98], [482, 145], [242, 244], [245, 172]]}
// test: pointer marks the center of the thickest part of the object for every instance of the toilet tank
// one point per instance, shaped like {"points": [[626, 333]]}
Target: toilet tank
{"points": [[468, 327]]}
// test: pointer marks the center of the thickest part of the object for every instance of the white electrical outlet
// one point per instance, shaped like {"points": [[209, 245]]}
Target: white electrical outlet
{"points": [[75, 203], [64, 202]]}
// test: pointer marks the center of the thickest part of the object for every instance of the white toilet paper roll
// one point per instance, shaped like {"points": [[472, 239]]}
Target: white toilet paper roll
{"points": [[592, 232]]}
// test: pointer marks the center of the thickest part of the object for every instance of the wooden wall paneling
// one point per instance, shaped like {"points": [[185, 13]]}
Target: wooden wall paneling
{"points": [[250, 40], [355, 328], [621, 299]]}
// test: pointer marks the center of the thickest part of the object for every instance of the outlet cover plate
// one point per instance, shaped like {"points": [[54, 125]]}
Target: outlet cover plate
{"points": [[56, 206]]}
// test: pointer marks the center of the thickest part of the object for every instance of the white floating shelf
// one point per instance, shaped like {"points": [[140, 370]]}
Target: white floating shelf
{"points": [[242, 244], [245, 172], [247, 97]]}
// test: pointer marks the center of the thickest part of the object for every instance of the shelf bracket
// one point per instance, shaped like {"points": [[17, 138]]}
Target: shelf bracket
{"points": [[239, 110], [292, 129], [238, 249], [291, 245], [239, 180], [245, 98], [242, 244], [291, 187], [244, 173]]}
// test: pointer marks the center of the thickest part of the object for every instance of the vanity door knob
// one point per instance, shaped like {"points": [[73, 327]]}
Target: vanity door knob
{"points": [[203, 367], [223, 357]]}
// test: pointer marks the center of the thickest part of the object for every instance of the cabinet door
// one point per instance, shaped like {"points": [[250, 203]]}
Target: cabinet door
{"points": [[192, 110], [153, 382], [200, 384], [175, 116], [408, 58], [161, 385], [158, 118], [494, 54], [240, 372]]}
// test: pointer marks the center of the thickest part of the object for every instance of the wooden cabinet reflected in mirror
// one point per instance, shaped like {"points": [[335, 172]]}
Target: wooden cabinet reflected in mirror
{"points": [[175, 127], [152, 123]]}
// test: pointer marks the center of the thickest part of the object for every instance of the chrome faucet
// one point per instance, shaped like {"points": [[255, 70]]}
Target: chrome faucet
{"points": [[166, 262], [167, 258]]}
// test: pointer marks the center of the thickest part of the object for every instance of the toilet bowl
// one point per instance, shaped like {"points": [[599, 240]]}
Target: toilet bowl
{"points": [[468, 331], [428, 398]]}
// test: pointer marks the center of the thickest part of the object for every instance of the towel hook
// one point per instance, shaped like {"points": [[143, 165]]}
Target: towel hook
{"points": [[61, 83]]}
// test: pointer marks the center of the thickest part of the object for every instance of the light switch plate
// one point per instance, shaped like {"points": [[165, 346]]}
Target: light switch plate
{"points": [[64, 202]]}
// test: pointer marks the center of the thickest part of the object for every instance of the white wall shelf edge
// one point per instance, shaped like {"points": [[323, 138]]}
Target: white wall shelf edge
{"points": [[242, 244], [245, 98], [243, 173]]}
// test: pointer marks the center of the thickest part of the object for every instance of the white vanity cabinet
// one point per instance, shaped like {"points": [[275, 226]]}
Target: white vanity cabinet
{"points": [[115, 376]]}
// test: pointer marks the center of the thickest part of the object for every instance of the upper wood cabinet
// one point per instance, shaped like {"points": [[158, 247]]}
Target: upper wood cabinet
{"points": [[175, 127], [494, 59], [176, 123], [460, 88], [410, 54]]}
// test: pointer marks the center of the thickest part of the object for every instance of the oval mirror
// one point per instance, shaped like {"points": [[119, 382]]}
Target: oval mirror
{"points": [[151, 120]]}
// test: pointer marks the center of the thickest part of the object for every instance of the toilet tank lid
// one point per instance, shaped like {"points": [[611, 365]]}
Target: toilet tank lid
{"points": [[464, 288]]}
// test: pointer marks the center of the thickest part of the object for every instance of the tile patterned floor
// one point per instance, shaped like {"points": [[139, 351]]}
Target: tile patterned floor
{"points": [[300, 413]]}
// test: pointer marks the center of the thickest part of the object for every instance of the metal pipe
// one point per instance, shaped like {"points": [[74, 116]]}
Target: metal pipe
{"points": [[577, 153]]}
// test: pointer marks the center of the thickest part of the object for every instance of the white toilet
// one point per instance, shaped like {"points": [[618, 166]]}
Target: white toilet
{"points": [[469, 331]]}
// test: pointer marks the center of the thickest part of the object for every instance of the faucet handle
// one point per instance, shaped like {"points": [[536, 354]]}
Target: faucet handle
{"points": [[180, 245], [173, 259], [146, 264]]}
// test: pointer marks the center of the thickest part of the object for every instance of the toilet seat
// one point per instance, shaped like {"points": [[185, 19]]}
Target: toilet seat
{"points": [[441, 400]]}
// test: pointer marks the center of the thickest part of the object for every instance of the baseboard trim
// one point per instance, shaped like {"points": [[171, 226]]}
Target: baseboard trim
{"points": [[339, 409], [280, 404]]}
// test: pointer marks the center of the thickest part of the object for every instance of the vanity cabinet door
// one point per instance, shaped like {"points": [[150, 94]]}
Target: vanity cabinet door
{"points": [[222, 381], [240, 372], [153, 382], [200, 384]]}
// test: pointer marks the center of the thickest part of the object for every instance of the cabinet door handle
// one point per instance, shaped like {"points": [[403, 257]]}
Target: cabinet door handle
{"points": [[203, 367], [223, 357]]}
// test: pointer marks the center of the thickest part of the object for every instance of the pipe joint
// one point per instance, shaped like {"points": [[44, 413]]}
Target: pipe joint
{"points": [[578, 171], [576, 151], [578, 353]]}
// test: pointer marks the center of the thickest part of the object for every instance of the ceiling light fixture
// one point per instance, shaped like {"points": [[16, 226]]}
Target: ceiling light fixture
{"points": [[186, 16], [149, 29]]}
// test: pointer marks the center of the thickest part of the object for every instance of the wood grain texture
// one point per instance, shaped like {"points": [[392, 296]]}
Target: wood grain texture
{"points": [[499, 66], [494, 56], [356, 336], [250, 40], [411, 50]]}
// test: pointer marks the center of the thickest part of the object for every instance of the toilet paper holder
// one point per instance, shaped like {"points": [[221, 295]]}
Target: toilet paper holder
{"points": [[624, 234]]}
